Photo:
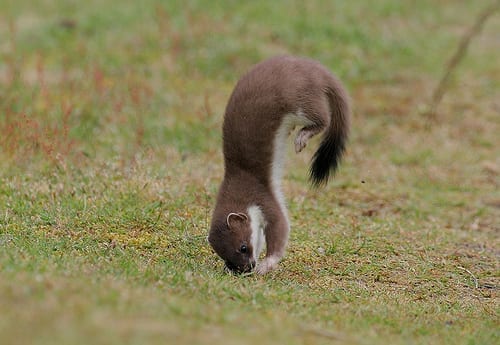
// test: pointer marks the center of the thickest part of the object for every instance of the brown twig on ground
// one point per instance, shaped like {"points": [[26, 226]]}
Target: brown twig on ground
{"points": [[440, 90]]}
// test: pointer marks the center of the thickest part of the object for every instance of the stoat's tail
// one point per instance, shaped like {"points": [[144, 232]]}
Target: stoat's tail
{"points": [[327, 158]]}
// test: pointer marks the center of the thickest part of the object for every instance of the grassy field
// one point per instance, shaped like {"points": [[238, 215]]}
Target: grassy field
{"points": [[110, 160]]}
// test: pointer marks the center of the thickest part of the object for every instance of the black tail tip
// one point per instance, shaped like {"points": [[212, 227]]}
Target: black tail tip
{"points": [[326, 161]]}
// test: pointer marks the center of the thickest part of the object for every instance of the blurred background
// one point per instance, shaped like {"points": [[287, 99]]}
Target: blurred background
{"points": [[159, 73]]}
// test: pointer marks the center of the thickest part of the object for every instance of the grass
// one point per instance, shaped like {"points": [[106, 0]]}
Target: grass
{"points": [[110, 160]]}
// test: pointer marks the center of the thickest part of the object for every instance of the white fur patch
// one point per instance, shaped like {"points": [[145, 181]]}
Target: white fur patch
{"points": [[257, 224], [289, 122]]}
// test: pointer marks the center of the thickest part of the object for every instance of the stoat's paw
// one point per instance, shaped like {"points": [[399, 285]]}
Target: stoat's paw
{"points": [[300, 141], [268, 264]]}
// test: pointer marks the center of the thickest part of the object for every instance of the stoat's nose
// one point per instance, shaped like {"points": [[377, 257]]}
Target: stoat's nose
{"points": [[241, 269], [248, 267]]}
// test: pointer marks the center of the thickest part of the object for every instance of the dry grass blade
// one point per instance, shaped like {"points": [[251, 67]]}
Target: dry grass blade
{"points": [[476, 282], [441, 88]]}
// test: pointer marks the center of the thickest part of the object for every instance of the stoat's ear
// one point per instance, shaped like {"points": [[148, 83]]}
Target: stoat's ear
{"points": [[233, 218]]}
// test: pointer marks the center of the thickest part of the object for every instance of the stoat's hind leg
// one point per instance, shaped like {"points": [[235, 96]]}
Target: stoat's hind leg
{"points": [[314, 117], [303, 136]]}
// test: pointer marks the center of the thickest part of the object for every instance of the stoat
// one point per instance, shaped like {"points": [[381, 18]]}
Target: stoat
{"points": [[267, 103]]}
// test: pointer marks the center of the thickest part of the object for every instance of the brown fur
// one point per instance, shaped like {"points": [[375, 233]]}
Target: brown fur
{"points": [[260, 101]]}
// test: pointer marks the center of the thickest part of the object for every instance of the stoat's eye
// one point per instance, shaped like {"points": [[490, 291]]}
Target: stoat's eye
{"points": [[243, 249]]}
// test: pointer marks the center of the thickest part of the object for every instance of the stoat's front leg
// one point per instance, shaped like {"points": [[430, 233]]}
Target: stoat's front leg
{"points": [[276, 232], [269, 263]]}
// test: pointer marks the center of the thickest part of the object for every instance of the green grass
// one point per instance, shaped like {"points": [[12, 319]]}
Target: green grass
{"points": [[110, 160]]}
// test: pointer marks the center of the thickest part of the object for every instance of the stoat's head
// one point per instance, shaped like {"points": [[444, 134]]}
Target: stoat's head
{"points": [[231, 238]]}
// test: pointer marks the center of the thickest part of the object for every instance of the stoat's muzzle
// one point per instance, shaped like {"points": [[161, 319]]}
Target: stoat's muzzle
{"points": [[239, 269]]}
